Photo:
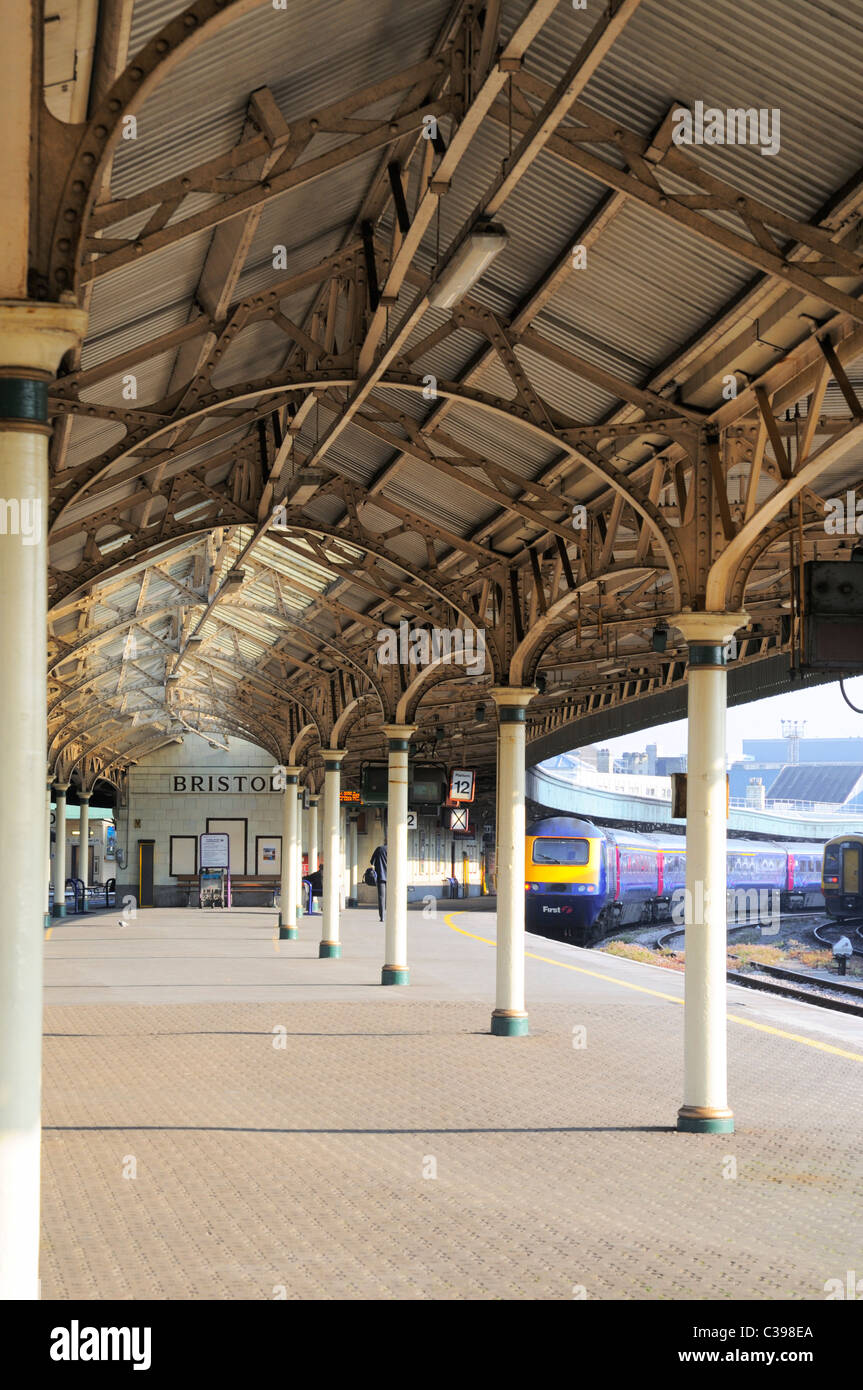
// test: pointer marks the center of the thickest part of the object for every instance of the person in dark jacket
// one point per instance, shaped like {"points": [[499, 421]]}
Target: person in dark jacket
{"points": [[379, 864], [315, 884]]}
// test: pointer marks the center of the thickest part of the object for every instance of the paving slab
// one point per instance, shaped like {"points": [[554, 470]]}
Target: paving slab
{"points": [[228, 1116]]}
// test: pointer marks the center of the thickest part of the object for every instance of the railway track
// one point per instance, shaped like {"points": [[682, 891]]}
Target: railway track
{"points": [[812, 995], [843, 929], [790, 984], [798, 918]]}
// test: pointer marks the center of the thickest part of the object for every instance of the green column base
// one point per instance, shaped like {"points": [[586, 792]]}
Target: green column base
{"points": [[508, 1025], [288, 933], [352, 902], [58, 910], [330, 950], [395, 975], [692, 1119], [48, 919]]}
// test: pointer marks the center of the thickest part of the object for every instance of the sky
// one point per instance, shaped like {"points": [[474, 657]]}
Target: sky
{"points": [[823, 708]]}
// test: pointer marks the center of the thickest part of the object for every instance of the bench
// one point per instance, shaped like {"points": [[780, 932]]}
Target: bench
{"points": [[243, 886]]}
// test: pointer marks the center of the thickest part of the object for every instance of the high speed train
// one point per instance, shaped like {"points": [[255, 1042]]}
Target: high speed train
{"points": [[582, 880]]}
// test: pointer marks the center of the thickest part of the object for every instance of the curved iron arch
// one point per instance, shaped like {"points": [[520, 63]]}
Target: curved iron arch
{"points": [[494, 405]]}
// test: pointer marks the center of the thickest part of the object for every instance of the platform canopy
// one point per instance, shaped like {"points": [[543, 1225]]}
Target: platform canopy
{"points": [[299, 418]]}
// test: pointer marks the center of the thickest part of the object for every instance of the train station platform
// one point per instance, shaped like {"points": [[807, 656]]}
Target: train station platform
{"points": [[297, 1131]]}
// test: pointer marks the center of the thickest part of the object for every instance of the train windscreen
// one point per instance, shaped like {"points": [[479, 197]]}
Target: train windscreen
{"points": [[548, 850]]}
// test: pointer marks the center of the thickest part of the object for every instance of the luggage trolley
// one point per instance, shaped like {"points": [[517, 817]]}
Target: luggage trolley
{"points": [[214, 871]]}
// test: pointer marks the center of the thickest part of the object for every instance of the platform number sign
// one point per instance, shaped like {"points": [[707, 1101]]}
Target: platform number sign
{"points": [[412, 820], [458, 819], [461, 785]]}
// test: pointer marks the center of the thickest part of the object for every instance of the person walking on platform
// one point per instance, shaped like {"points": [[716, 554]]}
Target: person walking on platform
{"points": [[379, 864], [315, 884]]}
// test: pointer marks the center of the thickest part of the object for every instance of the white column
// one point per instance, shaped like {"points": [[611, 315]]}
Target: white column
{"points": [[48, 855], [330, 945], [59, 869], [33, 338], [510, 1018], [313, 834], [288, 893], [395, 970], [300, 838], [84, 840], [705, 1094], [354, 869]]}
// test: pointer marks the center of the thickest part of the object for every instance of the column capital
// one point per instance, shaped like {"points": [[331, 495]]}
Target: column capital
{"points": [[84, 796], [709, 629], [512, 701], [61, 788], [314, 798], [35, 335], [398, 733], [291, 776], [333, 756]]}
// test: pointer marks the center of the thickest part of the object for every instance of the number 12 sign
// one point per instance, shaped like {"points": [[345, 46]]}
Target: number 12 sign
{"points": [[461, 785]]}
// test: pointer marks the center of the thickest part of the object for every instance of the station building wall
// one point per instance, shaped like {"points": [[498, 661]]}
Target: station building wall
{"points": [[174, 793]]}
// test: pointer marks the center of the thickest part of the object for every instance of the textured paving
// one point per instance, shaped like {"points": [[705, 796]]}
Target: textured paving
{"points": [[385, 1146]]}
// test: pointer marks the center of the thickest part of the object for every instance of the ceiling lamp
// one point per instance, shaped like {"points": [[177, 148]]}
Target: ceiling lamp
{"points": [[469, 262]]}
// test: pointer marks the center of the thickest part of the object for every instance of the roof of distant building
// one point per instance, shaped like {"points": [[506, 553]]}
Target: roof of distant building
{"points": [[825, 782]]}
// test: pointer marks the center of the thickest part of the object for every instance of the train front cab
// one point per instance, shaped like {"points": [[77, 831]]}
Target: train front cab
{"points": [[566, 879], [842, 877]]}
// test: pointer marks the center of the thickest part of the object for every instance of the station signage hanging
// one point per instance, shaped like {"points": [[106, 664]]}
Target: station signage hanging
{"points": [[462, 784]]}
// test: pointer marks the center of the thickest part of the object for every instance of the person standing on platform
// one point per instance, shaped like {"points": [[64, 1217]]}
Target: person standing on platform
{"points": [[379, 864]]}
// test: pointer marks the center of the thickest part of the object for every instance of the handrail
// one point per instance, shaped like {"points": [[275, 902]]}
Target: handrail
{"points": [[80, 902]]}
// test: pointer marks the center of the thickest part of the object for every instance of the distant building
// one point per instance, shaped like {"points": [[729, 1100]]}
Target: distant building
{"points": [[810, 750], [603, 760], [665, 766], [828, 783], [589, 755], [651, 759]]}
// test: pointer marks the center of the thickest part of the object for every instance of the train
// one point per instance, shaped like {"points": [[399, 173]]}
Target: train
{"points": [[583, 881], [842, 877]]}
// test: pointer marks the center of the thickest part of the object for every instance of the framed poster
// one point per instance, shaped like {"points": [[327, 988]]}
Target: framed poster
{"points": [[235, 827], [268, 855], [184, 855], [215, 851]]}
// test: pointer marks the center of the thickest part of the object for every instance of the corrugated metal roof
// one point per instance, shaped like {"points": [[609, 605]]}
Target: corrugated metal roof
{"points": [[650, 286]]}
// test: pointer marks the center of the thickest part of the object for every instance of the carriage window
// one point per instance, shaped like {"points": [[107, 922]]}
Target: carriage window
{"points": [[547, 850]]}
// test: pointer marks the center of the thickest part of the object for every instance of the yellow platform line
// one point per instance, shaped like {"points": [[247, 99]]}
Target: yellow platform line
{"points": [[658, 994]]}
